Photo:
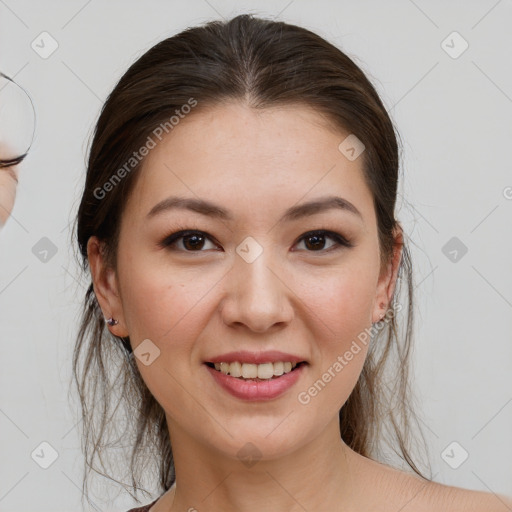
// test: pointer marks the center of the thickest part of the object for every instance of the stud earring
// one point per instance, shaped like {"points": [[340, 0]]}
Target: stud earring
{"points": [[111, 321]]}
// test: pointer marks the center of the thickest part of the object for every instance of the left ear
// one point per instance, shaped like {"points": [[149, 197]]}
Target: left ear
{"points": [[387, 279]]}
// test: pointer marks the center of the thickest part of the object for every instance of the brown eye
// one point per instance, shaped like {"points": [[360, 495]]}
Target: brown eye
{"points": [[191, 241], [194, 241], [315, 241]]}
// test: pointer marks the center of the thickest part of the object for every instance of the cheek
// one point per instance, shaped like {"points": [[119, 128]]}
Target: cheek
{"points": [[167, 306], [341, 300], [341, 309], [161, 302]]}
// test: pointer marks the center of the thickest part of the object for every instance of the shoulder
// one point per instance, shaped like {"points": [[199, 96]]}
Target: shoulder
{"points": [[408, 492], [419, 495], [448, 498]]}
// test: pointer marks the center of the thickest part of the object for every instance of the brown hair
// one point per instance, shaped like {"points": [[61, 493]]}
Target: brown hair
{"points": [[263, 63]]}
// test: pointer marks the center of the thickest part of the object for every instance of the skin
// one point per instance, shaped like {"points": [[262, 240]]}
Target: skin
{"points": [[197, 304], [8, 185]]}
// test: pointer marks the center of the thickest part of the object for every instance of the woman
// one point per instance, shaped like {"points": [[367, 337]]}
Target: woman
{"points": [[238, 224]]}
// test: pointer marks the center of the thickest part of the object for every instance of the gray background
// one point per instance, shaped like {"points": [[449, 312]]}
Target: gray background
{"points": [[454, 117]]}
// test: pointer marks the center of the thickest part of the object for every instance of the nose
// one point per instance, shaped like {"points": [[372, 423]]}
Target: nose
{"points": [[257, 296]]}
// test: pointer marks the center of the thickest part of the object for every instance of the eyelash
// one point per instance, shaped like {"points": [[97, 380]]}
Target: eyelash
{"points": [[341, 242]]}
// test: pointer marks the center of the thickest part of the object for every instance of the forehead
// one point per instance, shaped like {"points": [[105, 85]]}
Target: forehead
{"points": [[236, 155]]}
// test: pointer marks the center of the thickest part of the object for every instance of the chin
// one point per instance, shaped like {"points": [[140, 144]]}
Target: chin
{"points": [[260, 443]]}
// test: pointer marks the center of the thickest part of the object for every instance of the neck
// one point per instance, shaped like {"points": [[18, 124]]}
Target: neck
{"points": [[322, 471]]}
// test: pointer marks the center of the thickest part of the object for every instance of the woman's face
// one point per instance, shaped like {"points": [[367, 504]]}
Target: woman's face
{"points": [[250, 280]]}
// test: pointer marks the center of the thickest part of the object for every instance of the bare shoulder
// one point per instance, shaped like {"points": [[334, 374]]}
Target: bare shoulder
{"points": [[454, 499], [408, 492], [421, 495]]}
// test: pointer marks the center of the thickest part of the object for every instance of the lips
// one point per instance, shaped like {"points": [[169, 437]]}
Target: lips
{"points": [[247, 383], [256, 389]]}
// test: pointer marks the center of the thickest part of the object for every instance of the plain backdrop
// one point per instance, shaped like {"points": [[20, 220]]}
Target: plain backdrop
{"points": [[452, 106]]}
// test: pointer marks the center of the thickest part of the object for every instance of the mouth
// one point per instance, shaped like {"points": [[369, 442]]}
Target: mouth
{"points": [[256, 382], [256, 372]]}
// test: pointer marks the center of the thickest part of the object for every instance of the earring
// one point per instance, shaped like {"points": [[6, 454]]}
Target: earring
{"points": [[111, 321]]}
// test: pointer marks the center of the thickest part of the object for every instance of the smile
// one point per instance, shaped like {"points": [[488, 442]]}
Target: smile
{"points": [[246, 383], [263, 371]]}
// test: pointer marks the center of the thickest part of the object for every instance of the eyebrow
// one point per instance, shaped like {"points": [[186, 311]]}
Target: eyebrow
{"points": [[212, 210]]}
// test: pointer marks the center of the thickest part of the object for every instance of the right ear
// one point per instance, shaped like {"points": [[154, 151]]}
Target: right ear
{"points": [[106, 288]]}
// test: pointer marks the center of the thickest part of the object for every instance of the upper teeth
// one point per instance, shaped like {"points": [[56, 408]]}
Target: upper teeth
{"points": [[251, 371]]}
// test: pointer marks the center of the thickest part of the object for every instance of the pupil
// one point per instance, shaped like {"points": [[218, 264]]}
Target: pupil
{"points": [[195, 244], [317, 244]]}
